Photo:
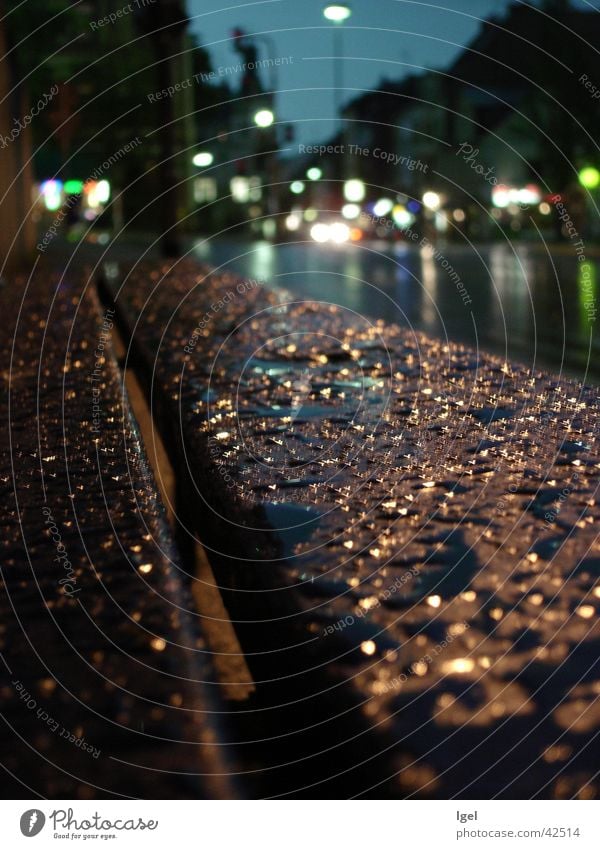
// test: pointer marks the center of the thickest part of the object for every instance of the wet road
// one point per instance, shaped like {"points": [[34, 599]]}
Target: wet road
{"points": [[517, 301]]}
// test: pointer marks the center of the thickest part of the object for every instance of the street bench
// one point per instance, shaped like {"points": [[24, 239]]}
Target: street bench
{"points": [[404, 532], [106, 685]]}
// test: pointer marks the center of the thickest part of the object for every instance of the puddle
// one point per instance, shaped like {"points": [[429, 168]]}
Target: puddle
{"points": [[487, 415], [314, 411], [294, 523]]}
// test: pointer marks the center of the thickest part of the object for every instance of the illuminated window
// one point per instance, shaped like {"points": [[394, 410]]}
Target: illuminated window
{"points": [[205, 189]]}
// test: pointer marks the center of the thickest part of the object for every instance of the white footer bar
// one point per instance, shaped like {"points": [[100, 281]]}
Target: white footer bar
{"points": [[301, 824]]}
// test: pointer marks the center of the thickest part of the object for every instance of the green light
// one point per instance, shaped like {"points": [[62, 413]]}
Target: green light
{"points": [[73, 187], [589, 177], [588, 292]]}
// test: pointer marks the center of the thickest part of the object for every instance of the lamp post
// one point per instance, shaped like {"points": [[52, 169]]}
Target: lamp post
{"points": [[337, 13]]}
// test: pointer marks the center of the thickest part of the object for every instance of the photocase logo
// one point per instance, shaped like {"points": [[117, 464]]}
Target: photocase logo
{"points": [[32, 822]]}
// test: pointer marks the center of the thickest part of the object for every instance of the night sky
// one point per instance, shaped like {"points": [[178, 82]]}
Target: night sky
{"points": [[383, 38]]}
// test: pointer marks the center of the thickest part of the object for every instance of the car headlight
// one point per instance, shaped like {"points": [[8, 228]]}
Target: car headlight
{"points": [[320, 232]]}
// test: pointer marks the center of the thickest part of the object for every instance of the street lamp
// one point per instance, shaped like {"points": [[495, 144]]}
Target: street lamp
{"points": [[350, 210], [203, 159], [354, 190], [264, 118], [337, 13], [432, 201]]}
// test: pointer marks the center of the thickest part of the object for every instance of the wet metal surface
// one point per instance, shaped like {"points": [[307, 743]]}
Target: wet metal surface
{"points": [[441, 507], [106, 688]]}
